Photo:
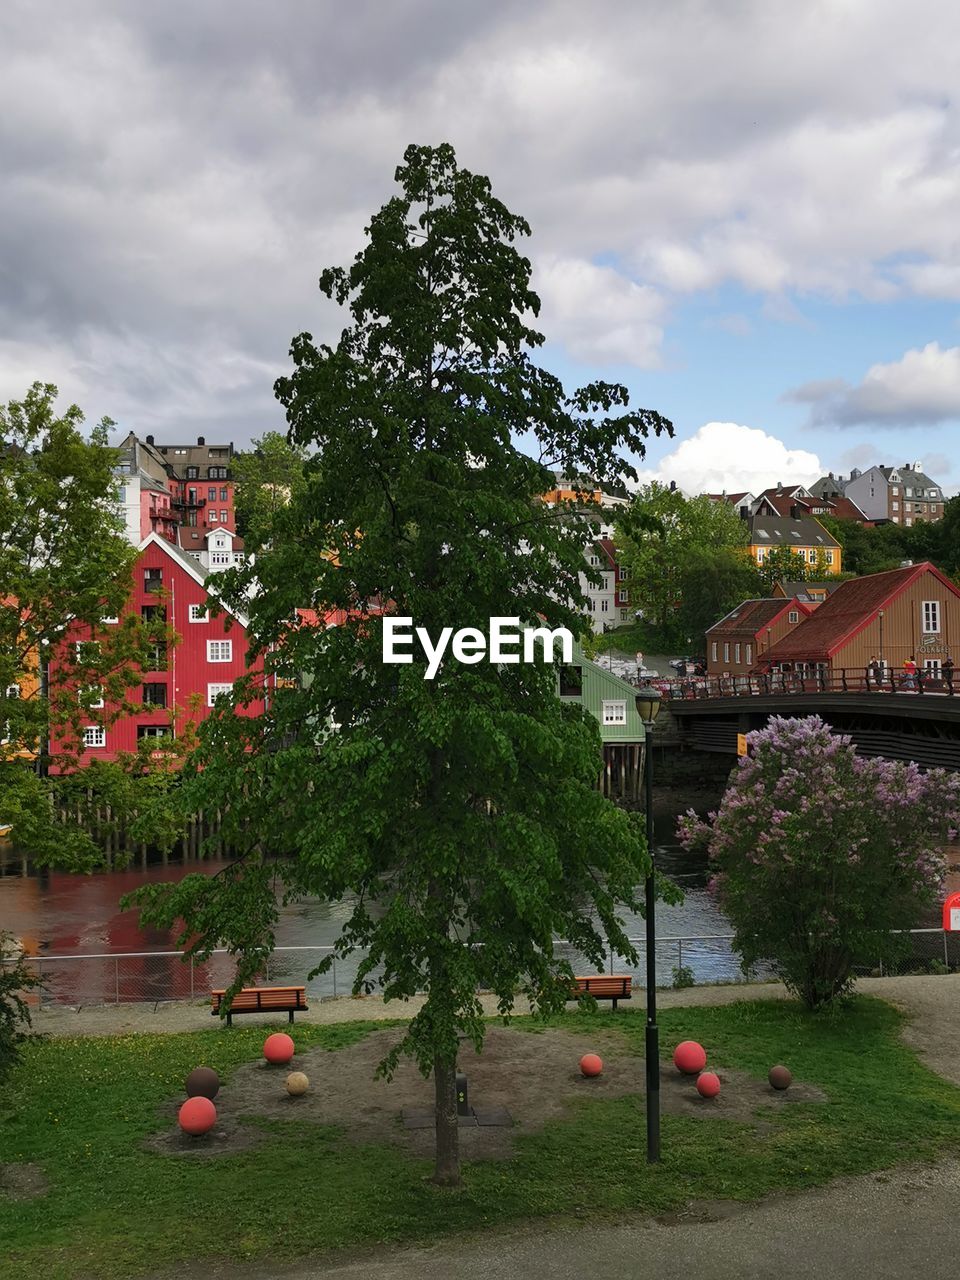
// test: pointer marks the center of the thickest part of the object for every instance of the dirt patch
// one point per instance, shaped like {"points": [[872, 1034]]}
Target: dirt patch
{"points": [[22, 1181], [534, 1075]]}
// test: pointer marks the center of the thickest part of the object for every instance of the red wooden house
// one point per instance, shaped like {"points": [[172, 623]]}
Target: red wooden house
{"points": [[188, 676]]}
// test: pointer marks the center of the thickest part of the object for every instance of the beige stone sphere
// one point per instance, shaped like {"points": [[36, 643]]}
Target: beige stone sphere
{"points": [[297, 1084]]}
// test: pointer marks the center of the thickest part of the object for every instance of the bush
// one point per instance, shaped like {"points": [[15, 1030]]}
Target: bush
{"points": [[683, 977], [819, 854], [15, 980]]}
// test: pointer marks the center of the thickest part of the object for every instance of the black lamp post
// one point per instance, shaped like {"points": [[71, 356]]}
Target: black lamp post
{"points": [[648, 708]]}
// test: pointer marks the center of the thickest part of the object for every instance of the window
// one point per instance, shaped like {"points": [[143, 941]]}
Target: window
{"points": [[749, 657], [896, 506], [155, 695], [908, 506], [94, 735], [829, 556], [152, 579], [726, 650], [224, 495], [593, 561], [216, 473], [215, 691], [220, 557], [157, 658], [219, 650], [107, 621], [623, 612], [908, 493], [87, 651], [896, 492], [812, 556], [220, 542], [193, 473], [932, 666], [931, 615], [614, 712], [571, 681], [213, 516], [153, 613], [713, 651], [198, 613], [192, 496], [736, 652], [91, 696], [604, 605], [212, 493], [622, 597], [223, 517], [793, 615], [624, 573], [152, 731]]}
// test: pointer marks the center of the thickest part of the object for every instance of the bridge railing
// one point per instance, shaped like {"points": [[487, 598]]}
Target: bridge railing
{"points": [[796, 682]]}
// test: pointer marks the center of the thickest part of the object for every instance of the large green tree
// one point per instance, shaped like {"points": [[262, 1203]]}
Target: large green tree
{"points": [[714, 581], [661, 538], [65, 565], [458, 816]]}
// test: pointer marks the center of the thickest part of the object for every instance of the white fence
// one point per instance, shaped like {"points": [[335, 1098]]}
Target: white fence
{"points": [[156, 976]]}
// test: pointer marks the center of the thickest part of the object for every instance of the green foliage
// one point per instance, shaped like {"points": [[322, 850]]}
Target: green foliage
{"points": [[16, 979], [820, 854], [683, 977], [268, 476], [81, 1107], [666, 541], [714, 581], [783, 564], [457, 816], [65, 564]]}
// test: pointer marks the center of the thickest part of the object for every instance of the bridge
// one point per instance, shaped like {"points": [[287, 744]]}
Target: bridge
{"points": [[884, 716]]}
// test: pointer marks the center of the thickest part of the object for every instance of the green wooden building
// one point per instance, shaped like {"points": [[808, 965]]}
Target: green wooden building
{"points": [[612, 703]]}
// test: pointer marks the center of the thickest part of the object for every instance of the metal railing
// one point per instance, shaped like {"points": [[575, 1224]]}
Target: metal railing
{"points": [[161, 976], [787, 683]]}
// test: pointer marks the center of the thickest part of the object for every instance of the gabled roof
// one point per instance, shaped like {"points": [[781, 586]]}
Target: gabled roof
{"points": [[775, 531], [753, 616], [191, 566], [797, 590], [847, 611]]}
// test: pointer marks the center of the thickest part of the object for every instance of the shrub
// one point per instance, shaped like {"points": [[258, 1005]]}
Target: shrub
{"points": [[683, 977], [819, 853], [15, 980]]}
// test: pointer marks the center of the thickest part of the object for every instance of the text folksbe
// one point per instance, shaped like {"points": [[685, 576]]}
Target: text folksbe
{"points": [[506, 643]]}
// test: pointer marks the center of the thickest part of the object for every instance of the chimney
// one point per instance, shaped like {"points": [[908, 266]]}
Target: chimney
{"points": [[201, 440], [149, 439], [673, 486]]}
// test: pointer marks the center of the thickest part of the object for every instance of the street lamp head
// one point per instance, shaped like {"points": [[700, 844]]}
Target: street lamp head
{"points": [[648, 705]]}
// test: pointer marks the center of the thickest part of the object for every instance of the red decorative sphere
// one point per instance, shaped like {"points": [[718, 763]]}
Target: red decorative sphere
{"points": [[278, 1047], [197, 1115], [780, 1077], [591, 1064], [202, 1082], [708, 1084], [689, 1057]]}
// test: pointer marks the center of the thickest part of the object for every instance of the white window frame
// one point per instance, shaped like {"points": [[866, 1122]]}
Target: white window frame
{"points": [[713, 651], [220, 557], [92, 706], [198, 613], [213, 517], [793, 615], [736, 651], [749, 654], [78, 649], [94, 736], [216, 690], [614, 711], [604, 606], [930, 614], [726, 650], [222, 648], [108, 621]]}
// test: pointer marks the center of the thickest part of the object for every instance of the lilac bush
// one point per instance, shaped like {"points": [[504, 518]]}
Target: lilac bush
{"points": [[818, 854]]}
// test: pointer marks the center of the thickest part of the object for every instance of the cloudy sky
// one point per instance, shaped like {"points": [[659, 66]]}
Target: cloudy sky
{"points": [[747, 211]]}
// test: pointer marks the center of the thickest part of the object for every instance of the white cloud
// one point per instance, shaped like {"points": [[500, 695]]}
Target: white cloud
{"points": [[729, 457], [919, 389], [598, 314]]}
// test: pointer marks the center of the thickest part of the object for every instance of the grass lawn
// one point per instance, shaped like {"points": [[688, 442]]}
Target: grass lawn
{"points": [[80, 1108]]}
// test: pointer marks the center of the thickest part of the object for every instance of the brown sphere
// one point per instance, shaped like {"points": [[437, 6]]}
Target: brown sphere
{"points": [[297, 1084], [780, 1077], [202, 1082]]}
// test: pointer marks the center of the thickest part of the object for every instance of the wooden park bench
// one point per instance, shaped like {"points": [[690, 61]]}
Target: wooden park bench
{"points": [[289, 1000], [603, 987]]}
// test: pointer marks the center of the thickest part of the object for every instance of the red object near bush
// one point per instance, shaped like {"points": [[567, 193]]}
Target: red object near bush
{"points": [[278, 1047], [689, 1057], [197, 1115], [708, 1084], [591, 1064]]}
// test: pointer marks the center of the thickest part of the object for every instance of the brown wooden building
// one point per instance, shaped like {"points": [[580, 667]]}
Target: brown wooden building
{"points": [[893, 616], [737, 642]]}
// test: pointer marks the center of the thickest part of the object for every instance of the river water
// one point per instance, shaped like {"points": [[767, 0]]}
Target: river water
{"points": [[55, 914]]}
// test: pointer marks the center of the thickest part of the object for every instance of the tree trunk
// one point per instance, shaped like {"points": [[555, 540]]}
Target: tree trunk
{"points": [[447, 1168]]}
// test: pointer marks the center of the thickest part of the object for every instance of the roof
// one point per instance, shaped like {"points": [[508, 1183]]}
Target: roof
{"points": [[752, 616], [775, 531], [733, 498], [193, 567], [798, 589], [847, 611], [907, 473]]}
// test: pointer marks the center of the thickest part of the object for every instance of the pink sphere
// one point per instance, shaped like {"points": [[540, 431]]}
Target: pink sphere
{"points": [[197, 1115], [689, 1057], [708, 1084], [591, 1064], [278, 1047]]}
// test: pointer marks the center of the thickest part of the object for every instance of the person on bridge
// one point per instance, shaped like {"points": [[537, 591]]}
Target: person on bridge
{"points": [[910, 673], [947, 669], [874, 672]]}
